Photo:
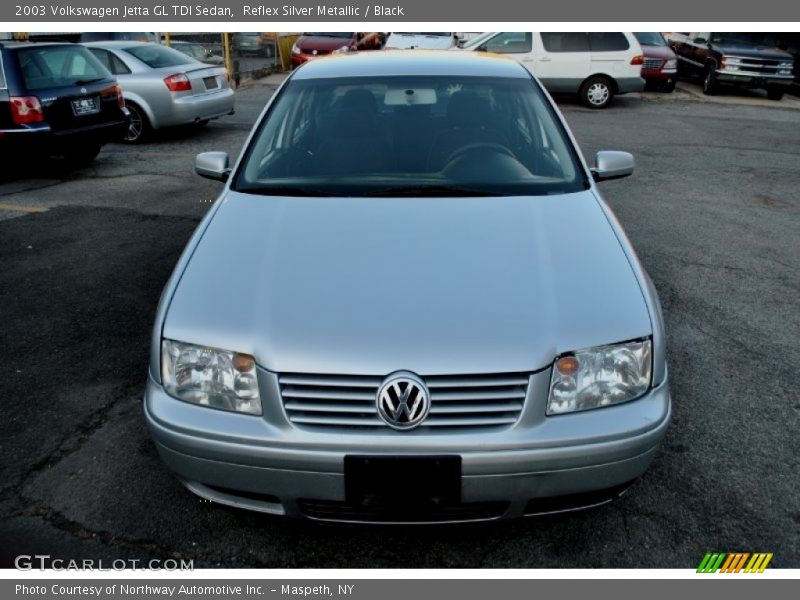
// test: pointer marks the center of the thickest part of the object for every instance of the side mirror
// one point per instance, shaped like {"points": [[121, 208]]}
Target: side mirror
{"points": [[212, 165], [700, 40], [611, 164]]}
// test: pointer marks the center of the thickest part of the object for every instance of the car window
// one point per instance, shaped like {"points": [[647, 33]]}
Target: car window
{"points": [[381, 136], [565, 42], [608, 41], [57, 66], [650, 39], [110, 61], [156, 56], [510, 42], [2, 74]]}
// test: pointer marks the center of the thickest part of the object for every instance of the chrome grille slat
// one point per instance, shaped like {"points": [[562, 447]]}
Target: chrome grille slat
{"points": [[652, 63], [349, 401]]}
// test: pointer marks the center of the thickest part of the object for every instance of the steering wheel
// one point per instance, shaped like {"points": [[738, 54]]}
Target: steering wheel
{"points": [[479, 147]]}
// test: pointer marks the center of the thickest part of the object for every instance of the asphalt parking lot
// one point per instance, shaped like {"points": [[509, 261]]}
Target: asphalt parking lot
{"points": [[713, 211]]}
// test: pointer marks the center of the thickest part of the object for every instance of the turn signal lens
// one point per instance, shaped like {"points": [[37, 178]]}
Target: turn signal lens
{"points": [[567, 365], [243, 362]]}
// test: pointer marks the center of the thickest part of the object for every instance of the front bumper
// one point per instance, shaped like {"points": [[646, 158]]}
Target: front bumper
{"points": [[269, 465], [753, 80]]}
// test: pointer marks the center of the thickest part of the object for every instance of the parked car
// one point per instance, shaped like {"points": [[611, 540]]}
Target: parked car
{"points": [[128, 36], [312, 45], [660, 66], [427, 313], [748, 60], [199, 52], [57, 99], [594, 65], [163, 87], [253, 43], [426, 40]]}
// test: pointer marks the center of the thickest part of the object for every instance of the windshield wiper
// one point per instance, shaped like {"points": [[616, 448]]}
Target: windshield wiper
{"points": [[431, 190], [286, 191]]}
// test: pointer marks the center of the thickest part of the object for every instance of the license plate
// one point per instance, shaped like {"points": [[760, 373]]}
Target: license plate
{"points": [[211, 83], [402, 482], [85, 106]]}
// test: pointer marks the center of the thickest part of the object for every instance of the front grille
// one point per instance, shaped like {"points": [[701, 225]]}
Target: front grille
{"points": [[344, 511], [470, 401], [652, 64], [757, 66]]}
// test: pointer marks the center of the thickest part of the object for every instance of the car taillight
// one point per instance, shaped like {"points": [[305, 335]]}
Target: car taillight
{"points": [[26, 109], [178, 82], [120, 97], [637, 60]]}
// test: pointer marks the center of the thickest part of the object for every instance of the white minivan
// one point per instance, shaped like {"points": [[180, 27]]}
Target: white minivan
{"points": [[595, 65], [426, 40]]}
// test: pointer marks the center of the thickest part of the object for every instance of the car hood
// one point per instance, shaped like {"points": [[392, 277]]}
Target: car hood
{"points": [[427, 42], [370, 286], [747, 50], [322, 43], [662, 52]]}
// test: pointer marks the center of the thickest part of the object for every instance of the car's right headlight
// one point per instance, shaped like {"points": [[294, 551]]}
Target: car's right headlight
{"points": [[600, 376], [210, 377], [672, 63]]}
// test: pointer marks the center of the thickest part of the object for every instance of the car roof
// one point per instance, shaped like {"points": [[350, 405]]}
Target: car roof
{"points": [[118, 43], [390, 63]]}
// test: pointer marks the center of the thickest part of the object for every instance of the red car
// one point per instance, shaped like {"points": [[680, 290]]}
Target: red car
{"points": [[660, 67], [314, 45]]}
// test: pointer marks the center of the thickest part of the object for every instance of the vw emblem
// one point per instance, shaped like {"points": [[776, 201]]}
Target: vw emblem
{"points": [[403, 401], [84, 91]]}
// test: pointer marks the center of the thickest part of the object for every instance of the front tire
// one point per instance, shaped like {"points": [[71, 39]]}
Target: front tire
{"points": [[775, 93], [710, 83], [597, 92], [669, 87], [139, 126]]}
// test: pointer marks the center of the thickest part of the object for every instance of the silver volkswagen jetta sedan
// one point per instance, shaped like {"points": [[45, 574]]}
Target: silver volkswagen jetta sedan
{"points": [[409, 304]]}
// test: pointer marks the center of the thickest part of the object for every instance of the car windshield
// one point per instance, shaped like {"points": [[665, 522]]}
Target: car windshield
{"points": [[45, 67], [750, 39], [156, 56], [416, 136], [332, 34], [650, 39]]}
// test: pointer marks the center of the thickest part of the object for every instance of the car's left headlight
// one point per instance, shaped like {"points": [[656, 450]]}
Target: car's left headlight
{"points": [[210, 377], [672, 63], [599, 376]]}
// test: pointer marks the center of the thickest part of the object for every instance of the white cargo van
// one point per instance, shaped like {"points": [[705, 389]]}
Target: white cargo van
{"points": [[595, 65]]}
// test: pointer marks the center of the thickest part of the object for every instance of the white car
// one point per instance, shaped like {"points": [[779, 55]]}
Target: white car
{"points": [[427, 40], [594, 65]]}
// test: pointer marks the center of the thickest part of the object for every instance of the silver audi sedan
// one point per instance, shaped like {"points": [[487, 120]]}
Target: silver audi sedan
{"points": [[164, 87], [409, 304]]}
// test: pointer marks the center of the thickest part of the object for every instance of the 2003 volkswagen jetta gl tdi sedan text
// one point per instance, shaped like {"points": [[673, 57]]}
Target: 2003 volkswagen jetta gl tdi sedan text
{"points": [[409, 304]]}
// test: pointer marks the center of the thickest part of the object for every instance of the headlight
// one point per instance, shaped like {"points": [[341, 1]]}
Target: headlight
{"points": [[295, 49], [599, 376], [672, 63], [341, 50], [210, 377]]}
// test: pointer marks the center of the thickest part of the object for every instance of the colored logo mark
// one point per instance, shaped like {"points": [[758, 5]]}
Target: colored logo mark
{"points": [[735, 562]]}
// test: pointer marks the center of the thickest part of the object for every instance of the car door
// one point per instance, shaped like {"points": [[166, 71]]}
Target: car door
{"points": [[563, 62]]}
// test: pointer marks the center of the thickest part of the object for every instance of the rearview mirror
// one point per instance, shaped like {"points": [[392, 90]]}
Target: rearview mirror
{"points": [[611, 164], [212, 165]]}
